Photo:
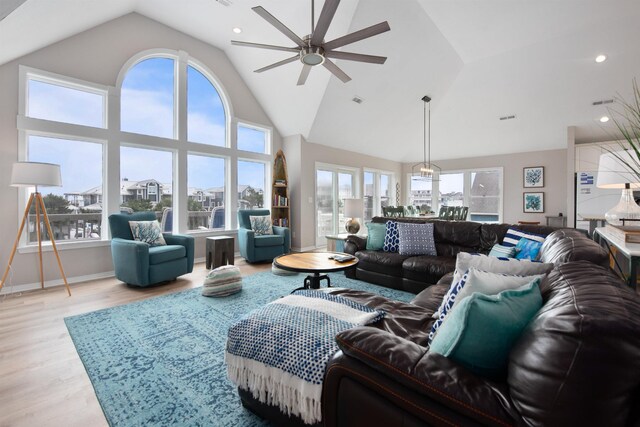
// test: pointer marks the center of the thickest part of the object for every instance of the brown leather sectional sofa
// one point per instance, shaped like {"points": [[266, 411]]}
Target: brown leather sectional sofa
{"points": [[577, 363], [415, 273]]}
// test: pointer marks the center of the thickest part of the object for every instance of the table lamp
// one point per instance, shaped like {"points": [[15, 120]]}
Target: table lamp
{"points": [[614, 171], [34, 174], [353, 209]]}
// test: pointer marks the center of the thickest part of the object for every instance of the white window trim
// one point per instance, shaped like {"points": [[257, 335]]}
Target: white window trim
{"points": [[268, 132], [377, 210], [113, 138]]}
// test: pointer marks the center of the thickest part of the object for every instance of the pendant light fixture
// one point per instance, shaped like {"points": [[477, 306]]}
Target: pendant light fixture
{"points": [[426, 169]]}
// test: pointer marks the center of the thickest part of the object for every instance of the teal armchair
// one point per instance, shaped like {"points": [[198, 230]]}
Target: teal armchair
{"points": [[138, 264], [261, 248]]}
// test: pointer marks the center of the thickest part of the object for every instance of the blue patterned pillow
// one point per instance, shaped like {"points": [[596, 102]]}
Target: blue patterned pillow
{"points": [[528, 249], [148, 232], [500, 251], [513, 236], [261, 224], [391, 238], [416, 239], [448, 302]]}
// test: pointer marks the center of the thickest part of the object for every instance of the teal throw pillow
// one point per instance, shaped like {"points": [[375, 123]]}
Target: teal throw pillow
{"points": [[480, 330], [528, 249], [148, 232], [375, 236], [502, 251]]}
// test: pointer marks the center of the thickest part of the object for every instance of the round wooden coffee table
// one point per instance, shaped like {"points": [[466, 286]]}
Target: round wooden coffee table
{"points": [[316, 263]]}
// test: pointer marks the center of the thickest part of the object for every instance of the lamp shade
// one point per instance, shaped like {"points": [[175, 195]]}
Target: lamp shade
{"points": [[28, 174], [613, 173], [353, 208]]}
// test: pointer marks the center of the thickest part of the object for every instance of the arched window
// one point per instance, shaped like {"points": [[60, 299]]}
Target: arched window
{"points": [[206, 121]]}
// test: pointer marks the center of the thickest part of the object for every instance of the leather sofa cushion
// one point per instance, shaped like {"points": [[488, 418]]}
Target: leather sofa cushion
{"points": [[269, 240], [580, 352], [427, 268], [161, 254], [567, 245], [457, 233], [389, 263]]}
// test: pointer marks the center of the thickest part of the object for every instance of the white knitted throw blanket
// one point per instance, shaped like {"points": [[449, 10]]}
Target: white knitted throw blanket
{"points": [[279, 352]]}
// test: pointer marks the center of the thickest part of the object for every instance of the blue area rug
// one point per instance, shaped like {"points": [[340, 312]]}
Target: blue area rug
{"points": [[161, 361]]}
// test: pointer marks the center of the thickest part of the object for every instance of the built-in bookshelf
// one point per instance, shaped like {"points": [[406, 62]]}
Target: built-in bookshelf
{"points": [[280, 202]]}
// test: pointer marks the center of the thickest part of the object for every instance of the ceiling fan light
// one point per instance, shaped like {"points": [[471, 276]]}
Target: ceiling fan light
{"points": [[313, 55]]}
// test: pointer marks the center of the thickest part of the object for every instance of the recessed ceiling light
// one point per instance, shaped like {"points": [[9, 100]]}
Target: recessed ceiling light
{"points": [[237, 30], [601, 58], [604, 119]]}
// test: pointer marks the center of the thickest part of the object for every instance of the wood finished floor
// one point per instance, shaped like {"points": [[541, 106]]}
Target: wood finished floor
{"points": [[42, 380]]}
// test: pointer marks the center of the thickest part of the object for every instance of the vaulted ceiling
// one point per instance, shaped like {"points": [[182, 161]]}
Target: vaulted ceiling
{"points": [[478, 60]]}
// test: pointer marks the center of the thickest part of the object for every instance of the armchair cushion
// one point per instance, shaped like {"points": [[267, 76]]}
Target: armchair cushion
{"points": [[160, 254], [261, 224], [266, 240]]}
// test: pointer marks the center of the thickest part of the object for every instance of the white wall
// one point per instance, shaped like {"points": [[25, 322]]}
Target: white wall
{"points": [[97, 55], [555, 178]]}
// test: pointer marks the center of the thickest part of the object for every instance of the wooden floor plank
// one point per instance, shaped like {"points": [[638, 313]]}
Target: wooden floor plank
{"points": [[43, 382]]}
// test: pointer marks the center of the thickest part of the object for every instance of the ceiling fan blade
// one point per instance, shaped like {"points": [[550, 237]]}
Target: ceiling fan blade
{"points": [[336, 71], [357, 36], [326, 16], [265, 46], [277, 64], [304, 74], [372, 59], [279, 25]]}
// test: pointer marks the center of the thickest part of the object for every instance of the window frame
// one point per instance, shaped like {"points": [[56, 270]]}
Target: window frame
{"points": [[268, 130], [377, 199], [112, 138]]}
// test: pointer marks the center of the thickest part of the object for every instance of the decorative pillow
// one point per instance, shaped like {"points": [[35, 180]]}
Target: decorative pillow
{"points": [[375, 236], [527, 249], [445, 306], [148, 232], [500, 251], [261, 224], [391, 238], [222, 281], [416, 239], [516, 267], [480, 331], [513, 235]]}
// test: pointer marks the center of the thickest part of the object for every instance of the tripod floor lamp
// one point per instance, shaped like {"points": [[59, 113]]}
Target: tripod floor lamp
{"points": [[34, 174]]}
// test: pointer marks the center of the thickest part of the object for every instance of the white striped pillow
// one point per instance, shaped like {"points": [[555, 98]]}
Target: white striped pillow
{"points": [[513, 236], [503, 251]]}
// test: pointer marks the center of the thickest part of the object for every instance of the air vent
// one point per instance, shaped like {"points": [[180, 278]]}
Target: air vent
{"points": [[603, 102], [357, 100], [507, 117], [224, 2]]}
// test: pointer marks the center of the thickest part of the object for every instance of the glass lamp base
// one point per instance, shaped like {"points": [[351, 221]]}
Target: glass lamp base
{"points": [[625, 209], [352, 226]]}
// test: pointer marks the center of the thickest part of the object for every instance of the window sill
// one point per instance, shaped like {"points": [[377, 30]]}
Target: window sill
{"points": [[64, 246]]}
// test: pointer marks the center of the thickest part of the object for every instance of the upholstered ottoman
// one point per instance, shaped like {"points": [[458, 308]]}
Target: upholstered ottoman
{"points": [[222, 281]]}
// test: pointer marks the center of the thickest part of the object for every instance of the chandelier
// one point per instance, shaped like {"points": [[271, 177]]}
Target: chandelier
{"points": [[426, 170]]}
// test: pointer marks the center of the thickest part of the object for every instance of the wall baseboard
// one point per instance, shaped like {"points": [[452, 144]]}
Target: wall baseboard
{"points": [[12, 289], [306, 249]]}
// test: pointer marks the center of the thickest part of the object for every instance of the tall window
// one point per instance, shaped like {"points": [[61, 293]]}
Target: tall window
{"points": [[148, 102], [333, 185], [378, 193], [177, 164], [75, 209], [206, 122], [420, 193], [251, 184], [480, 190]]}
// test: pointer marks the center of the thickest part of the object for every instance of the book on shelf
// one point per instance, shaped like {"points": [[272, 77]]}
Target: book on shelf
{"points": [[281, 222], [280, 201], [626, 233]]}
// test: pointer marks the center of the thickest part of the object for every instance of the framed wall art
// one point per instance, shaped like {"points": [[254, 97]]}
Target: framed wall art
{"points": [[533, 202], [533, 177]]}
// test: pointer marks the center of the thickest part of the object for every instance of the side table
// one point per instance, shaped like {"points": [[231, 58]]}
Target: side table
{"points": [[615, 246], [335, 242], [219, 251]]}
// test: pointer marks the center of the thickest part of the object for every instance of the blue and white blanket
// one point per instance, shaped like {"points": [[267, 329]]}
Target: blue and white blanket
{"points": [[279, 352]]}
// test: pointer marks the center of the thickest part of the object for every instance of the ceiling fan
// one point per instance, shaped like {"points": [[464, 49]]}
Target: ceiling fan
{"points": [[312, 50]]}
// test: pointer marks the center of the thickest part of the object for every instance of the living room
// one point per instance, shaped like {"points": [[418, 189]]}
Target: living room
{"points": [[512, 86]]}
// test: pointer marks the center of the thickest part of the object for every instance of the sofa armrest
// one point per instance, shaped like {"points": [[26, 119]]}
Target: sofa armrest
{"points": [[431, 297], [130, 261], [428, 375], [286, 233], [183, 240], [354, 244]]}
